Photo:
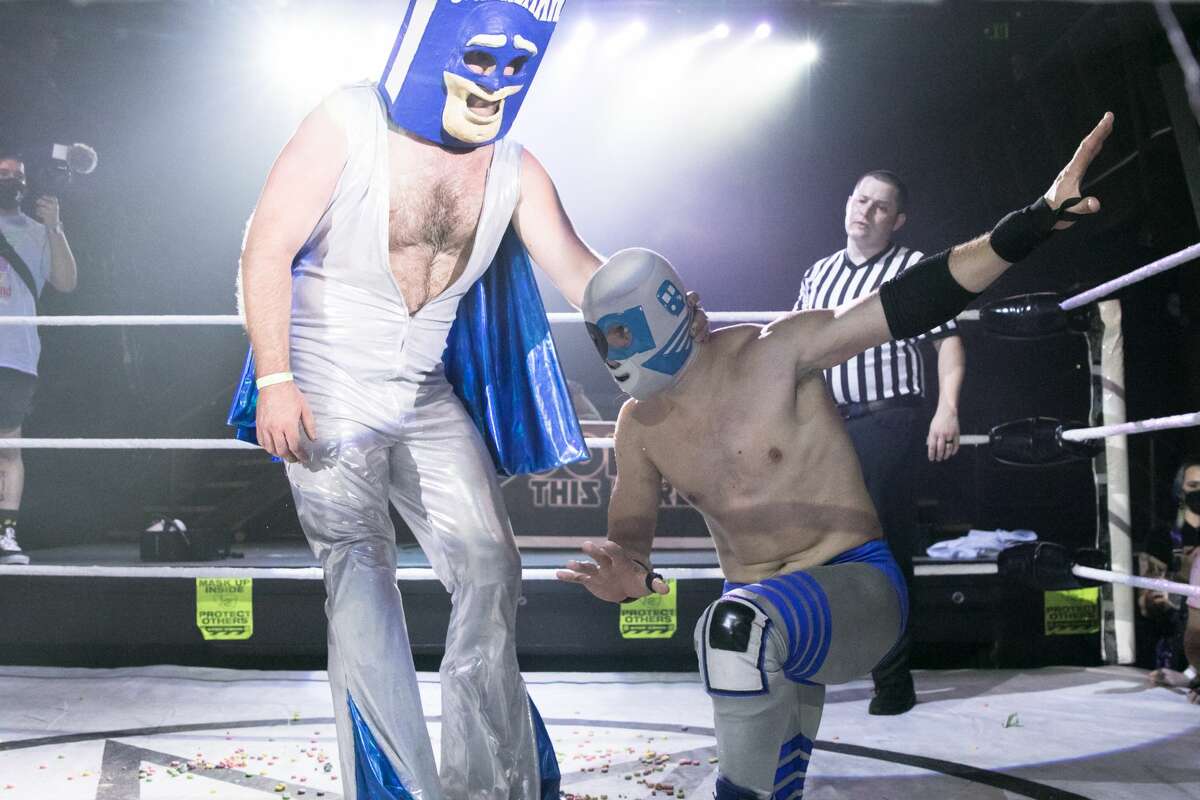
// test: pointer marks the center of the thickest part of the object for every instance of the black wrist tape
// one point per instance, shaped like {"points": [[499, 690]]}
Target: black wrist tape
{"points": [[651, 577], [1019, 233], [923, 297]]}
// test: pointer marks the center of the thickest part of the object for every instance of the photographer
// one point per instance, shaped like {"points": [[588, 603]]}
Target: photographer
{"points": [[33, 252]]}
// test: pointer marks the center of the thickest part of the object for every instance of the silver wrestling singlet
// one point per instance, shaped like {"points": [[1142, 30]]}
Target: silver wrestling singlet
{"points": [[389, 429]]}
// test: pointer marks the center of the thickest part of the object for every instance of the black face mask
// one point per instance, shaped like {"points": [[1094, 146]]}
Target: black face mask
{"points": [[10, 193], [1192, 501], [1188, 536]]}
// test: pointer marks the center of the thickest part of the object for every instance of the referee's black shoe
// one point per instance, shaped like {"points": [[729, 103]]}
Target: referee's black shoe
{"points": [[893, 698]]}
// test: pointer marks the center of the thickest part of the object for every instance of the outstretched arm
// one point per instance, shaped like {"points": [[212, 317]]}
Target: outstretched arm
{"points": [[620, 564], [940, 286], [549, 235]]}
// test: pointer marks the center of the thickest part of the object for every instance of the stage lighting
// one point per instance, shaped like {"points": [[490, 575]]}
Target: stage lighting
{"points": [[722, 31], [809, 52], [581, 38], [630, 35], [762, 31]]}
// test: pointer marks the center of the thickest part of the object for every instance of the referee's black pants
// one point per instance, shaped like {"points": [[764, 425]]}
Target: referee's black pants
{"points": [[889, 443]]}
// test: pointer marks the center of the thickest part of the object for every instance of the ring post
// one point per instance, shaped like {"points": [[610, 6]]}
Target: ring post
{"points": [[1116, 467]]}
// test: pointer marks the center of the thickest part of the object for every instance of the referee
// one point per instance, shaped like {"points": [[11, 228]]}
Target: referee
{"points": [[880, 392]]}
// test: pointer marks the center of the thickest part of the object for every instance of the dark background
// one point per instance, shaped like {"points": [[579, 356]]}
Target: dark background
{"points": [[977, 105]]}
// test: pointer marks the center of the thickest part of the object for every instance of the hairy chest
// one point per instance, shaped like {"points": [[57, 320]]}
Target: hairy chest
{"points": [[435, 201]]}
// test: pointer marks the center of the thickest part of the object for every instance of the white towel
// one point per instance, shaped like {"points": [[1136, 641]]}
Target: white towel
{"points": [[979, 544]]}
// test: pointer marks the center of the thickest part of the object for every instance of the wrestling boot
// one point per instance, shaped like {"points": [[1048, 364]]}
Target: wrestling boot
{"points": [[894, 691], [728, 790], [10, 551]]}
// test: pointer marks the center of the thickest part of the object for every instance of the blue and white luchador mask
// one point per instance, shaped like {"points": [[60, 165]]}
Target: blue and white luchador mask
{"points": [[460, 69], [637, 313]]}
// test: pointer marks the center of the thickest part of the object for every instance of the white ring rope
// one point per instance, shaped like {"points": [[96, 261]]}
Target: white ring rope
{"points": [[402, 573], [233, 319], [290, 573], [1142, 426], [1154, 584], [1162, 265], [171, 444], [126, 444], [126, 320], [598, 443], [144, 320]]}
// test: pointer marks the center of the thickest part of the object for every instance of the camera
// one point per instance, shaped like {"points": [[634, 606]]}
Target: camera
{"points": [[52, 176]]}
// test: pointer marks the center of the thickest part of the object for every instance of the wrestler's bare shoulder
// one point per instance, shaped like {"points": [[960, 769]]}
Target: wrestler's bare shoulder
{"points": [[533, 173]]}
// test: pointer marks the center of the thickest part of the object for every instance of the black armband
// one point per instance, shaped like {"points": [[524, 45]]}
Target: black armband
{"points": [[923, 297], [1019, 233]]}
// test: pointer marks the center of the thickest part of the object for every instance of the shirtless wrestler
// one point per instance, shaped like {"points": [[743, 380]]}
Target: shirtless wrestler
{"points": [[744, 426]]}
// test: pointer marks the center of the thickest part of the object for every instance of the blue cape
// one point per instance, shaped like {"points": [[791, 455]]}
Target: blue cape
{"points": [[500, 359]]}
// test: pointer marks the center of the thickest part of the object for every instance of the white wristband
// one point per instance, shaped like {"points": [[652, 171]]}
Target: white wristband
{"points": [[273, 379], [1190, 673]]}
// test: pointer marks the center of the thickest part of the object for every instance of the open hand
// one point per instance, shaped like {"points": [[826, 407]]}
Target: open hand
{"points": [[281, 411], [1067, 185], [611, 575]]}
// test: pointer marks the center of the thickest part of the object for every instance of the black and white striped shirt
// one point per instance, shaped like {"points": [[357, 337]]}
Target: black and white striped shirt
{"points": [[894, 369]]}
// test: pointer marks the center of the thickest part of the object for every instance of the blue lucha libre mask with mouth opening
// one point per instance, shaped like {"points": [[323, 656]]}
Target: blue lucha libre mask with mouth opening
{"points": [[461, 69], [637, 314]]}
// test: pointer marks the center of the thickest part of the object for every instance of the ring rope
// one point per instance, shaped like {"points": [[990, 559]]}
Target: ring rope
{"points": [[402, 573], [598, 443], [1154, 584], [290, 573], [143, 320], [64, 321], [1162, 265], [170, 444], [1141, 426]]}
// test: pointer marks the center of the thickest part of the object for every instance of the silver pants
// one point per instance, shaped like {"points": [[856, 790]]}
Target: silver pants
{"points": [[427, 458], [765, 740]]}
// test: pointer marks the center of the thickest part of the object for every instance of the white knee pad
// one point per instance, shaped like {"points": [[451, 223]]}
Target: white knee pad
{"points": [[731, 639]]}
